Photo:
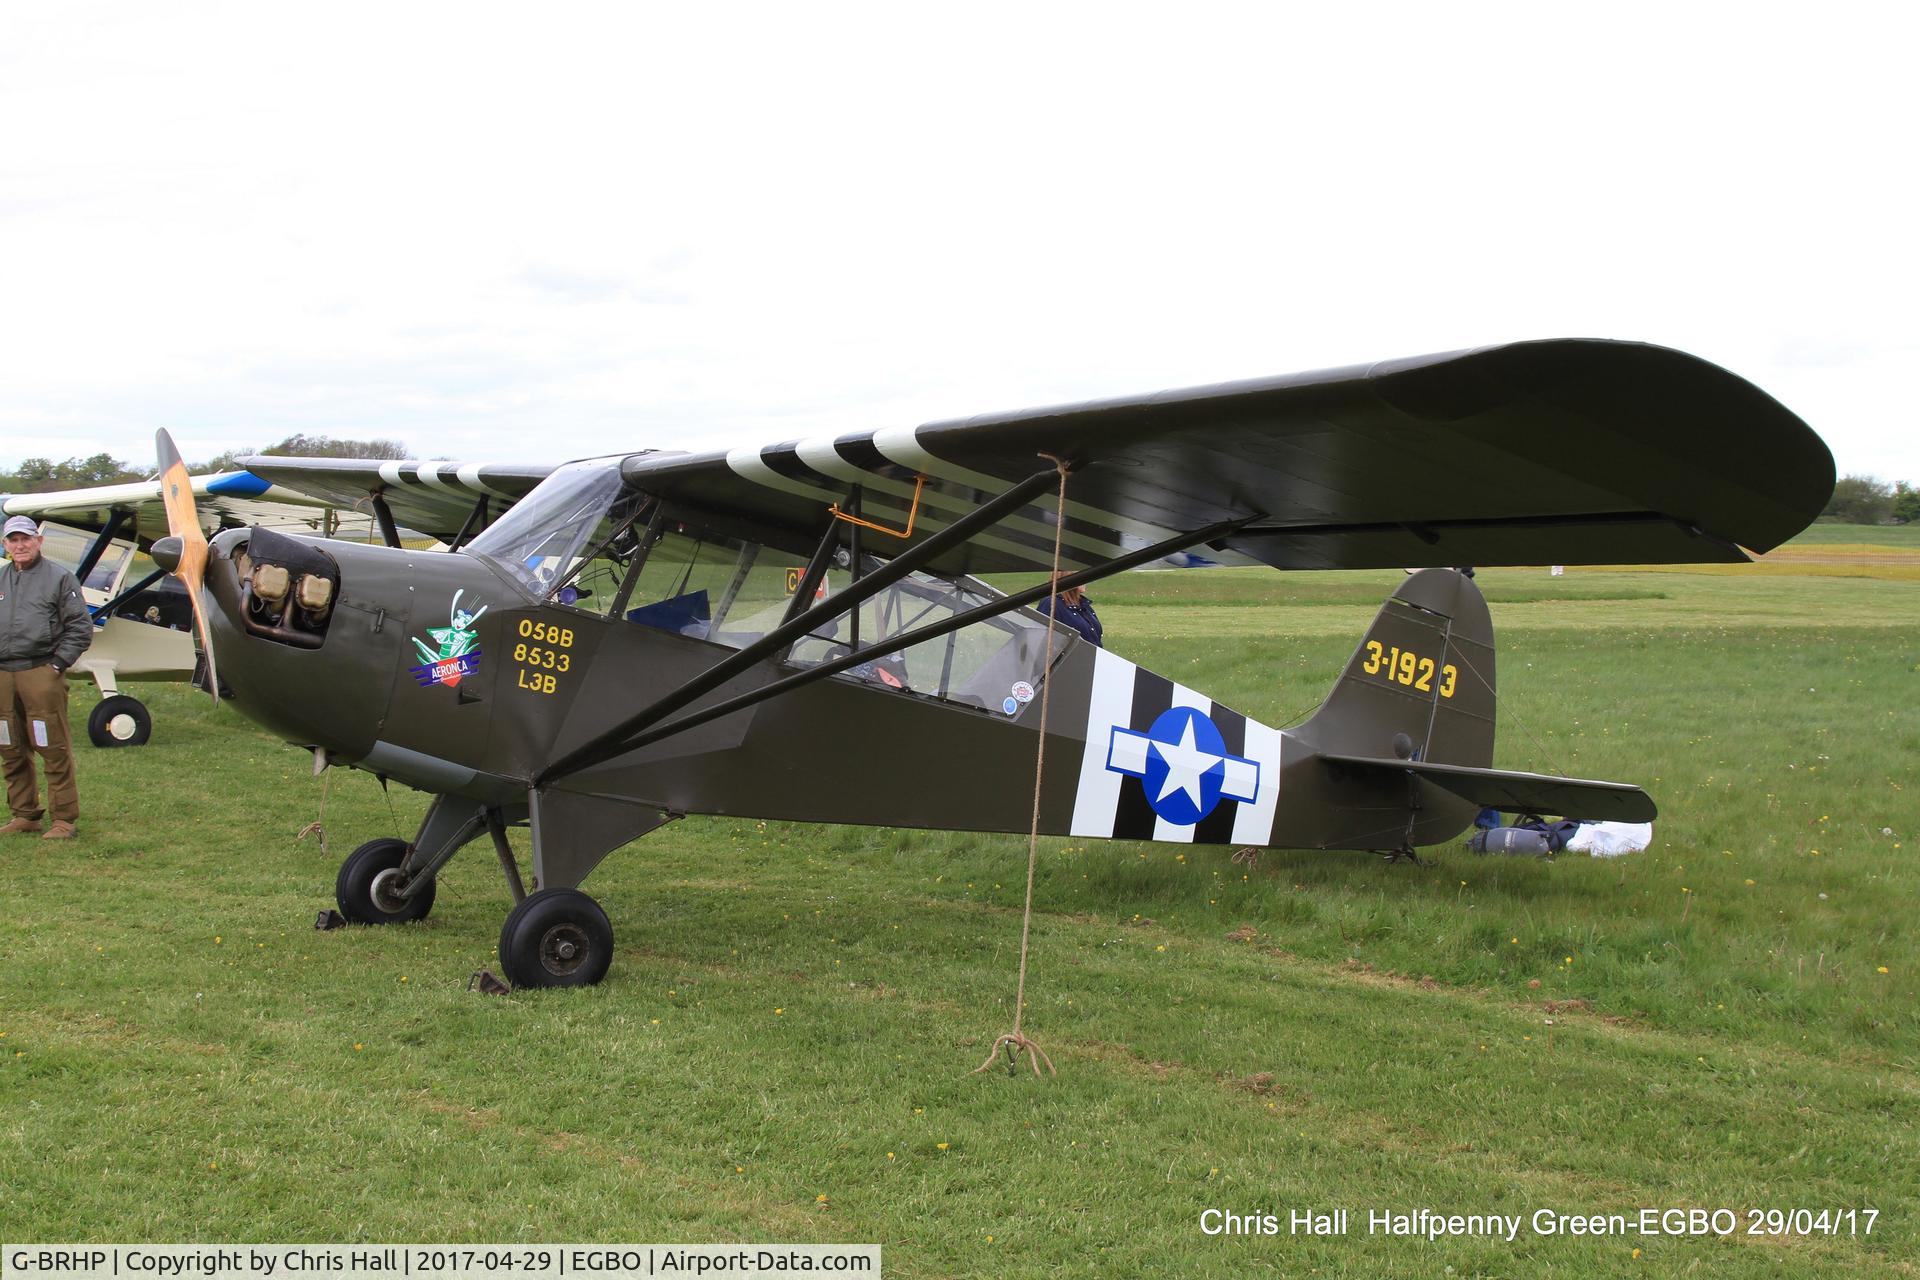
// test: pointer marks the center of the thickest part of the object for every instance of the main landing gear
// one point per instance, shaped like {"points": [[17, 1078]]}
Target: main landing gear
{"points": [[119, 721], [556, 937]]}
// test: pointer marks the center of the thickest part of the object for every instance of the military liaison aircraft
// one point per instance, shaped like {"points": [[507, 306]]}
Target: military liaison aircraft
{"points": [[800, 632]]}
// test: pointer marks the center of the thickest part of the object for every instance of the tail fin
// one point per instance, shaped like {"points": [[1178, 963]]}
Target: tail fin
{"points": [[1407, 733], [1420, 685]]}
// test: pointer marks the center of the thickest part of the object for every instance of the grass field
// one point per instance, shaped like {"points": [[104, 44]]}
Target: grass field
{"points": [[782, 1051]]}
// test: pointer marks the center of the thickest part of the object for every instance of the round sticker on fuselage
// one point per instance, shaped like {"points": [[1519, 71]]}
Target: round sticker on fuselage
{"points": [[1022, 691], [1010, 706]]}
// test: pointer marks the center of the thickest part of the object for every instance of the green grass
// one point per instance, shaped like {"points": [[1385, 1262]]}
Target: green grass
{"points": [[1825, 532], [794, 1010]]}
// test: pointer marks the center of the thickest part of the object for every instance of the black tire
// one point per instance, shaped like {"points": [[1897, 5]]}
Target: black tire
{"points": [[358, 888], [120, 721], [556, 938]]}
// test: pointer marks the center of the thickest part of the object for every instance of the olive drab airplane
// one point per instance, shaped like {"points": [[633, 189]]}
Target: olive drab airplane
{"points": [[801, 631]]}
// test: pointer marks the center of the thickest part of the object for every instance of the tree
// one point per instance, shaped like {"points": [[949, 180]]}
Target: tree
{"points": [[1861, 500], [43, 475], [1906, 503], [306, 446]]}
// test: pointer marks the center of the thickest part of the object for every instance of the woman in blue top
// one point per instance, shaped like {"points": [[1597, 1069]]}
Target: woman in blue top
{"points": [[1073, 608]]}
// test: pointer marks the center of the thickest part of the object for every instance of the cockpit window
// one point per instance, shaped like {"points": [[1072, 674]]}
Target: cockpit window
{"points": [[68, 547], [541, 537]]}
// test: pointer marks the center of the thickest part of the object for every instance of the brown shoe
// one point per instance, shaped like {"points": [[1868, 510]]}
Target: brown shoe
{"points": [[59, 831], [21, 827]]}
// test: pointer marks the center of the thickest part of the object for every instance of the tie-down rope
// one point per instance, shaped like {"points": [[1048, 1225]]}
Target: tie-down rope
{"points": [[1014, 1041]]}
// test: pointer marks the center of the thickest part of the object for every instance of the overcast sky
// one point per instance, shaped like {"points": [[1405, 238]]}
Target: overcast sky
{"points": [[528, 232]]}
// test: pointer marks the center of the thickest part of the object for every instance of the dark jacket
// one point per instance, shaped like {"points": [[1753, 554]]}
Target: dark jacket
{"points": [[43, 617], [1080, 617]]}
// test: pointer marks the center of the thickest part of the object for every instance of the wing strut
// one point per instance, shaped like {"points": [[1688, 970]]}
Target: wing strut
{"points": [[116, 520], [816, 567], [610, 743], [105, 611], [476, 521], [632, 736], [384, 514]]}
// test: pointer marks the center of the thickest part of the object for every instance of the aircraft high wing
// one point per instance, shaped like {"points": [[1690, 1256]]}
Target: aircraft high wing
{"points": [[1608, 453], [799, 632]]}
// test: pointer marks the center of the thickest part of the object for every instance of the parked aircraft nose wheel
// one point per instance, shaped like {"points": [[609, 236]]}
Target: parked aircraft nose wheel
{"points": [[368, 886], [119, 721], [556, 938]]}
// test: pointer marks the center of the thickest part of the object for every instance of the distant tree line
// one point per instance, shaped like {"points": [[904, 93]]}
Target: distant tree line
{"points": [[44, 475], [1869, 500]]}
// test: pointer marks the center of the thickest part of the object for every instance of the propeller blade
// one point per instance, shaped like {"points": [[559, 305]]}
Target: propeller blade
{"points": [[183, 523]]}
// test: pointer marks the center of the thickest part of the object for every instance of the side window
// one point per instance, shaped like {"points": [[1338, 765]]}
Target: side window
{"points": [[980, 665], [712, 587], [68, 547]]}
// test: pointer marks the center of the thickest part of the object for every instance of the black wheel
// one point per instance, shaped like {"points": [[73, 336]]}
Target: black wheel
{"points": [[556, 938], [365, 888], [120, 721]]}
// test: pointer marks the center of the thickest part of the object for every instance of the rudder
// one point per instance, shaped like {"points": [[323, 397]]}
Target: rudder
{"points": [[1420, 685]]}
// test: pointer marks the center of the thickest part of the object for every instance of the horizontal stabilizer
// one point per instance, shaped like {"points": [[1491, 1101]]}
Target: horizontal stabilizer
{"points": [[1578, 798]]}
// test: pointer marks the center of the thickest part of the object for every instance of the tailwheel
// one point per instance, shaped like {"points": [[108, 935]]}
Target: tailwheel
{"points": [[556, 938], [119, 721], [368, 887]]}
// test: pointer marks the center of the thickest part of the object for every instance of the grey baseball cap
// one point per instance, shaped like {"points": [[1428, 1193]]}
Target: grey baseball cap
{"points": [[21, 524]]}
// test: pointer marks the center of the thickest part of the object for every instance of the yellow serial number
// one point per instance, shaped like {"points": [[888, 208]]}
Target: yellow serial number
{"points": [[546, 633], [1403, 666], [534, 656]]}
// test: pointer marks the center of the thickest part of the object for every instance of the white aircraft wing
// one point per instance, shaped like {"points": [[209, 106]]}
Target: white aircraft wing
{"points": [[227, 499]]}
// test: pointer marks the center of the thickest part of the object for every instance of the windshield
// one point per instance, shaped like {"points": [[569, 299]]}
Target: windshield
{"points": [[539, 538]]}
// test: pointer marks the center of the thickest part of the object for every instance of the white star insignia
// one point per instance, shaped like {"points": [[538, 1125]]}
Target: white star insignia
{"points": [[1185, 763]]}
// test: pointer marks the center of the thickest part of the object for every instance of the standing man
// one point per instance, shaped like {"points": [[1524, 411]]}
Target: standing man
{"points": [[44, 628], [1073, 608]]}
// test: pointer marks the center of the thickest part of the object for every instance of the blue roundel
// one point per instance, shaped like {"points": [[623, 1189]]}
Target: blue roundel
{"points": [[1186, 763], [1010, 705]]}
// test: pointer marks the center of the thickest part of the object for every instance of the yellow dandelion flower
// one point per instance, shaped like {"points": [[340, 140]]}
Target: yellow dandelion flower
{"points": [[1883, 968], [779, 1013], [821, 1198], [942, 1146], [889, 1155], [357, 1046]]}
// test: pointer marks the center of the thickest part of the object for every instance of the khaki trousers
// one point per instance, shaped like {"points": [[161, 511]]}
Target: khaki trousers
{"points": [[33, 717]]}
